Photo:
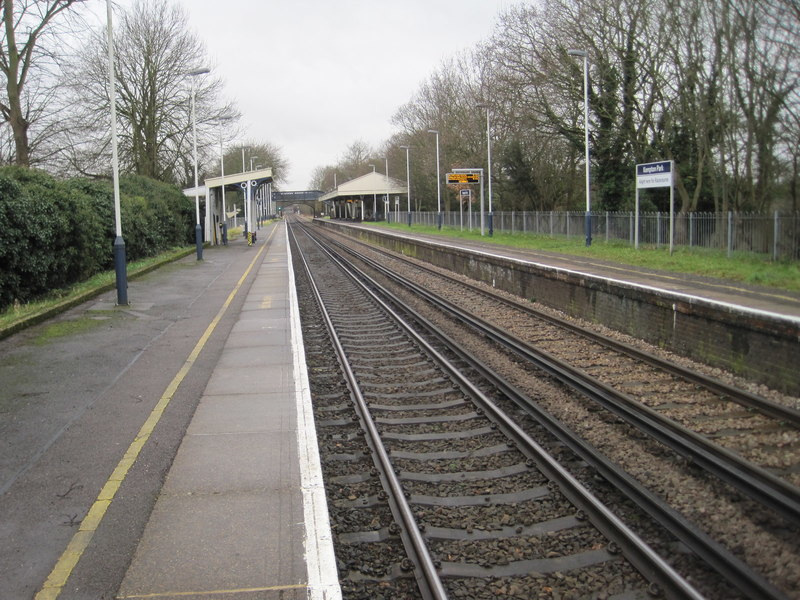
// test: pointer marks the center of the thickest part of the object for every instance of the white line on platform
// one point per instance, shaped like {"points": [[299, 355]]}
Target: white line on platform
{"points": [[323, 579]]}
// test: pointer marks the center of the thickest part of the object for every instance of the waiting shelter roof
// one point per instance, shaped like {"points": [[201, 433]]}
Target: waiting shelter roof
{"points": [[367, 185], [259, 175]]}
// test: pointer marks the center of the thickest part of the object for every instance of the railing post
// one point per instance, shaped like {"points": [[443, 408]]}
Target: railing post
{"points": [[658, 229], [630, 227], [775, 233], [730, 233]]}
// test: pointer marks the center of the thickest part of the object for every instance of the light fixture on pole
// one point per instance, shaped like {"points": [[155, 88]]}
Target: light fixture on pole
{"points": [[252, 158], [198, 231], [408, 181], [374, 200], [489, 165], [387, 208], [585, 56], [224, 233], [120, 262], [438, 182]]}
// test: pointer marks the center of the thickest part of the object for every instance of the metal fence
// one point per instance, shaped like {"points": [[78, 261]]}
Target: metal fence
{"points": [[775, 235]]}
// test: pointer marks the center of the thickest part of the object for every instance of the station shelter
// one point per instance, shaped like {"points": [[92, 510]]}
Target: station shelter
{"points": [[366, 198], [255, 186]]}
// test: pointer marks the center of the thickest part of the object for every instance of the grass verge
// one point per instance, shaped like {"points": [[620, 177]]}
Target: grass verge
{"points": [[18, 317], [742, 267]]}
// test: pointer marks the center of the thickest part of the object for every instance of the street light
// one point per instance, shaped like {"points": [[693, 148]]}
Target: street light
{"points": [[438, 182], [583, 53], [374, 200], [387, 207], [252, 158], [408, 181], [120, 263], [198, 232], [224, 234], [489, 165]]}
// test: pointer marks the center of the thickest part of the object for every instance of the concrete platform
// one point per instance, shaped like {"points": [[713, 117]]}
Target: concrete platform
{"points": [[242, 513], [748, 330]]}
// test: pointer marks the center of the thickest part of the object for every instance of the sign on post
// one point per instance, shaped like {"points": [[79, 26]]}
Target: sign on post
{"points": [[655, 175], [454, 178]]}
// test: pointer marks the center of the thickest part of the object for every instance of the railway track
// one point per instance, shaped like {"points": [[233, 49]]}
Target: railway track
{"points": [[475, 461]]}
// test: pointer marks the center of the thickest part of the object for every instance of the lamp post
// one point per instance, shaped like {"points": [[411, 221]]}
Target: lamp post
{"points": [[198, 231], [120, 263], [224, 233], [438, 182], [387, 207], [252, 158], [489, 165], [584, 54], [408, 181], [374, 201]]}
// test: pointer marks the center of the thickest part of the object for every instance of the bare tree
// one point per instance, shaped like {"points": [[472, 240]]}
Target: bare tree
{"points": [[25, 59], [155, 53], [713, 85], [240, 157]]}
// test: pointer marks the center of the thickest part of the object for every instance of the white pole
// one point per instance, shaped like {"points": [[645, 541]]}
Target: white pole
{"points": [[120, 263], [636, 221], [489, 155], [438, 182], [198, 233], [112, 91], [408, 181], [482, 209], [222, 176], [586, 142], [388, 208], [671, 206]]}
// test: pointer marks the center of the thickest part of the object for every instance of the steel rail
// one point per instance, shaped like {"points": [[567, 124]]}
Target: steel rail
{"points": [[763, 405], [723, 561], [752, 480], [637, 551], [431, 585]]}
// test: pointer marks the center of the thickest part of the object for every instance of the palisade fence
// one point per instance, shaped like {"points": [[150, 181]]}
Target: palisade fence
{"points": [[776, 235]]}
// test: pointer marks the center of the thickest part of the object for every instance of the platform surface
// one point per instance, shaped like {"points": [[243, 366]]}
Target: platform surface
{"points": [[239, 515]]}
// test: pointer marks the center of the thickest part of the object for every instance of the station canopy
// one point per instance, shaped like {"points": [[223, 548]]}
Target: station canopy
{"points": [[367, 185], [234, 179]]}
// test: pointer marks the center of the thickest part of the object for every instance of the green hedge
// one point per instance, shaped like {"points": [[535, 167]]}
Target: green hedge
{"points": [[54, 233]]}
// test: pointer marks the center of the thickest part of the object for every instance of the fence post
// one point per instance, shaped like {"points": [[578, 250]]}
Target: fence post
{"points": [[630, 228], [658, 229], [691, 229], [606, 227], [730, 233], [775, 233]]}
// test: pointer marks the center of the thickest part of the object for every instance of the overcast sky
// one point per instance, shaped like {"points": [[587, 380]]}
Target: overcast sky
{"points": [[313, 76]]}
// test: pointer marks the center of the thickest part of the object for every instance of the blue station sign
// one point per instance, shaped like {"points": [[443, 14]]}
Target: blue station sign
{"points": [[655, 174]]}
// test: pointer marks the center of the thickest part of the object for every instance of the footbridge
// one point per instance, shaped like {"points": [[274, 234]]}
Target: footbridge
{"points": [[310, 198]]}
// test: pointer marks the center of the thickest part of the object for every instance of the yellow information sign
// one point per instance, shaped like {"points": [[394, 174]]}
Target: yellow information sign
{"points": [[463, 178]]}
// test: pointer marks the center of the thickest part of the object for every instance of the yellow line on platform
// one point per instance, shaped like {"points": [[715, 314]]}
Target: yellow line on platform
{"points": [[69, 558], [270, 588]]}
